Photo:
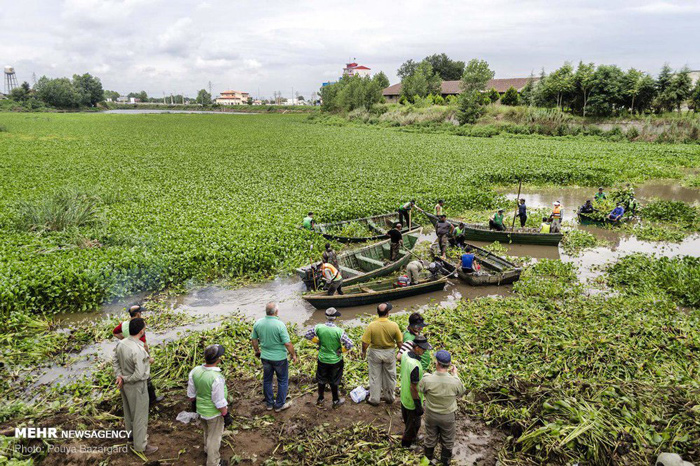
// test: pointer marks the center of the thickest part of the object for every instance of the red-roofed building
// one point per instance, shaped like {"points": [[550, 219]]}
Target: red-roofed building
{"points": [[353, 69]]}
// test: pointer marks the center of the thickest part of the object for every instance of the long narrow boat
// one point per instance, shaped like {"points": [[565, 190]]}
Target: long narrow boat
{"points": [[495, 270], [477, 232], [585, 219], [365, 263], [375, 228], [375, 292]]}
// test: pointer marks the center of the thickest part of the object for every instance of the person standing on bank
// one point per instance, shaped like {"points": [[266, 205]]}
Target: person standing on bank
{"points": [[522, 213], [206, 389], [416, 324], [396, 242], [271, 343], [411, 400], [121, 331], [441, 391], [332, 343], [132, 368], [381, 337]]}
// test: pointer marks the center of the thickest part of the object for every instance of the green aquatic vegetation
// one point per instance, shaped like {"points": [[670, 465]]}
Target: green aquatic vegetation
{"points": [[678, 213], [352, 229], [575, 241], [549, 279], [656, 232], [59, 211], [676, 277]]}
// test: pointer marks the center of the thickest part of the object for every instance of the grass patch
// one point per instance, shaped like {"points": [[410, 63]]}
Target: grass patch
{"points": [[61, 210]]}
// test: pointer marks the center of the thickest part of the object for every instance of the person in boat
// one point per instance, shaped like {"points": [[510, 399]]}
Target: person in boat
{"points": [[545, 227], [330, 256], [458, 235], [396, 242], [411, 401], [444, 230], [414, 268], [416, 324], [439, 207], [586, 208], [600, 195], [332, 343], [333, 278], [405, 212], [617, 213], [496, 221], [468, 259], [522, 213], [309, 223], [555, 218]]}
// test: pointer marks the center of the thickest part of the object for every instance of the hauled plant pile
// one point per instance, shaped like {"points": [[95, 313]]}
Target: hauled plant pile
{"points": [[188, 198]]}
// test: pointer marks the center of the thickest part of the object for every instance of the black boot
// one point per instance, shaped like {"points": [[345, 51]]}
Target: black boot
{"points": [[445, 457], [429, 453]]}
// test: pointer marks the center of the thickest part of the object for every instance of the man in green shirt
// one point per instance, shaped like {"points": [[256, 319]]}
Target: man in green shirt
{"points": [[411, 401], [309, 221], [496, 221], [332, 343], [206, 389], [441, 391], [416, 324], [132, 368], [600, 195], [271, 342]]}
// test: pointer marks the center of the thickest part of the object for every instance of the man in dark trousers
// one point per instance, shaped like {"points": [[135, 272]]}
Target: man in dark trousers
{"points": [[121, 331], [444, 230], [396, 241], [330, 256], [411, 400], [522, 213]]}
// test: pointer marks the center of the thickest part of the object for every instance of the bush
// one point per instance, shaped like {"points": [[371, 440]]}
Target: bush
{"points": [[64, 209], [632, 133], [511, 97], [438, 100]]}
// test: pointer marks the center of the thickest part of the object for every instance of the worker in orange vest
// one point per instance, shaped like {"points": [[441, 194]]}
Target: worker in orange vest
{"points": [[556, 218], [333, 278]]}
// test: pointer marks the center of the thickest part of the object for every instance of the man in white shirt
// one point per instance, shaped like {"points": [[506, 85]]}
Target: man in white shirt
{"points": [[207, 391]]}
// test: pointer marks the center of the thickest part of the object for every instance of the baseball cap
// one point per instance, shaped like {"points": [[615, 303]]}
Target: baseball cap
{"points": [[422, 342], [332, 312], [443, 356], [389, 307], [213, 352], [416, 320]]}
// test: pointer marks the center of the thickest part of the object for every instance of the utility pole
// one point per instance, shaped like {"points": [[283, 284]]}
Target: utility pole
{"points": [[34, 78], [211, 96]]}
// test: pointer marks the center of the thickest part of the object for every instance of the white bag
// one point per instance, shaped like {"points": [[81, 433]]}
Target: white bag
{"points": [[359, 394], [186, 417]]}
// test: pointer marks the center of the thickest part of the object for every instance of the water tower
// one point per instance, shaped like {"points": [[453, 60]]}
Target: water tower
{"points": [[10, 79]]}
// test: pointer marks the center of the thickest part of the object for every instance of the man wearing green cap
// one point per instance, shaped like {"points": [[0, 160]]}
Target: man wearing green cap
{"points": [[332, 343], [416, 324], [411, 401], [441, 391], [207, 391]]}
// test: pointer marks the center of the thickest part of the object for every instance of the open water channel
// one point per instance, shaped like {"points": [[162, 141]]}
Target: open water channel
{"points": [[211, 305]]}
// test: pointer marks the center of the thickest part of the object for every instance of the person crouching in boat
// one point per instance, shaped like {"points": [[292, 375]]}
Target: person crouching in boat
{"points": [[586, 208], [396, 242], [468, 259], [617, 213], [414, 268], [496, 221], [545, 227], [458, 238], [333, 278], [556, 218]]}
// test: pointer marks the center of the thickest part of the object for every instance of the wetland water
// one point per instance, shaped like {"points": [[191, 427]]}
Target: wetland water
{"points": [[211, 305]]}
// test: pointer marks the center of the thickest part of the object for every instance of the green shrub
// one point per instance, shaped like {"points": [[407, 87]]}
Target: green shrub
{"points": [[63, 209]]}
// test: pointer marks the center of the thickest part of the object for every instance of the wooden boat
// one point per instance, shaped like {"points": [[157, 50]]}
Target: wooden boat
{"points": [[477, 232], [374, 292], [365, 263], [377, 226], [495, 270], [585, 219]]}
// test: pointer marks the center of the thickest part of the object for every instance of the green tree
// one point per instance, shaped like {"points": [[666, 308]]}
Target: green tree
{"points": [[349, 93], [493, 95], [114, 95], [638, 90], [143, 97], [21, 93], [422, 82], [249, 101], [472, 100], [606, 96], [203, 97], [406, 69], [59, 93], [511, 97], [446, 68], [583, 81], [681, 87], [381, 80], [561, 84], [665, 98], [527, 92], [89, 88], [695, 97]]}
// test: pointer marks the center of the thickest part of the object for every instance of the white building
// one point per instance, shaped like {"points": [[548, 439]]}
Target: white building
{"points": [[353, 69], [233, 98]]}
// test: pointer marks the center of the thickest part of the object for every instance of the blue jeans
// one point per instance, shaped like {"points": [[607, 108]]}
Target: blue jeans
{"points": [[281, 368]]}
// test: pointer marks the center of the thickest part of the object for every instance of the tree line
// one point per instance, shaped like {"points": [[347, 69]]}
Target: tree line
{"points": [[81, 91]]}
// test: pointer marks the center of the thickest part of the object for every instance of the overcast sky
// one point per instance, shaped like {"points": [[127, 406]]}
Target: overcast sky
{"points": [[260, 46]]}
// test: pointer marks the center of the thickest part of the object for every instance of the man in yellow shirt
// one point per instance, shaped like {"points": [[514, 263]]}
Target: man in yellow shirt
{"points": [[381, 337]]}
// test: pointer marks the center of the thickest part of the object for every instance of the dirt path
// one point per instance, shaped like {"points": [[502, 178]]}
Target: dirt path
{"points": [[258, 434]]}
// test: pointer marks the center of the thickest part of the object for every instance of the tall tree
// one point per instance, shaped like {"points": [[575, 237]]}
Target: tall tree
{"points": [[606, 92], [665, 98], [203, 97], [472, 100], [448, 69], [561, 83], [21, 93], [527, 92], [58, 92], [89, 88], [406, 69], [381, 80], [681, 87], [638, 90], [423, 82], [695, 97], [583, 81]]}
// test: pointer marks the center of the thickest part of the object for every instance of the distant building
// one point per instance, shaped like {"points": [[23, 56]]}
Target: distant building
{"points": [[122, 99], [233, 98], [353, 69], [448, 88], [695, 76]]}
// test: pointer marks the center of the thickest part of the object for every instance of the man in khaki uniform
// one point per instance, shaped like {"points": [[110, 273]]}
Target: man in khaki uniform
{"points": [[441, 391], [206, 389], [132, 367], [381, 337]]}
